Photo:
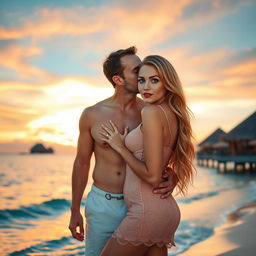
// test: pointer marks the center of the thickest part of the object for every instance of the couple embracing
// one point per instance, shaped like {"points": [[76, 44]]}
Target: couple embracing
{"points": [[143, 149]]}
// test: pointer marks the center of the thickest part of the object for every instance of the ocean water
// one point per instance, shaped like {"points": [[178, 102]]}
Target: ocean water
{"points": [[35, 199]]}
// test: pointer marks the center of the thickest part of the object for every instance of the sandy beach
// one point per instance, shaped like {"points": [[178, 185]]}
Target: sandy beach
{"points": [[235, 238]]}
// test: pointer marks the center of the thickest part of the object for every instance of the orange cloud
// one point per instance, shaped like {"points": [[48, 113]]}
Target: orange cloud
{"points": [[15, 57], [149, 23], [14, 121], [11, 116], [154, 22], [211, 75], [117, 25], [243, 69], [48, 112], [45, 23]]}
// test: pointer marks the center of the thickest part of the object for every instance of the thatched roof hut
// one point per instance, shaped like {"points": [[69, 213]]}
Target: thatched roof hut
{"points": [[245, 130], [208, 144], [241, 138], [212, 138]]}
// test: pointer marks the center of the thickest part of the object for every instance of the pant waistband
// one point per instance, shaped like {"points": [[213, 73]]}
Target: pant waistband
{"points": [[106, 194]]}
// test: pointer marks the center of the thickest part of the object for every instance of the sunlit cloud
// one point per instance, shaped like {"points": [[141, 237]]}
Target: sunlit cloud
{"points": [[242, 69], [14, 120], [75, 92], [16, 57], [158, 21], [65, 122], [165, 18], [45, 23], [60, 127], [50, 113], [13, 116], [208, 76]]}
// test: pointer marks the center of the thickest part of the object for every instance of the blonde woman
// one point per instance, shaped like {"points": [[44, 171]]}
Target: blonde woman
{"points": [[164, 138]]}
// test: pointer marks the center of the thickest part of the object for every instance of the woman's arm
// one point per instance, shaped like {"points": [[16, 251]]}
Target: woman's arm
{"points": [[150, 170]]}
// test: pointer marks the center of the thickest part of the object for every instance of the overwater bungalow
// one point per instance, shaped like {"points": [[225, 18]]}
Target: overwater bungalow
{"points": [[238, 147], [242, 138], [210, 144]]}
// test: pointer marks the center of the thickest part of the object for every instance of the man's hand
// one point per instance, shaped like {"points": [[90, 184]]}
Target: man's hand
{"points": [[166, 187], [76, 220]]}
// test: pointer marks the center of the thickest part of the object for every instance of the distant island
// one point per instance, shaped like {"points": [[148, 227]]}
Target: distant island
{"points": [[40, 148]]}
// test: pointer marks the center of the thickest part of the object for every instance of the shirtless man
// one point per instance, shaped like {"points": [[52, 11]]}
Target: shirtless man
{"points": [[105, 207]]}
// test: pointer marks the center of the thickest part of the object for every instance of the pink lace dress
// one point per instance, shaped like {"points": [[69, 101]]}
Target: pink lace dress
{"points": [[150, 219]]}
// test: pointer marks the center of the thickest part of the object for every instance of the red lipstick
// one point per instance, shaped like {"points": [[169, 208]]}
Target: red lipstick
{"points": [[147, 95]]}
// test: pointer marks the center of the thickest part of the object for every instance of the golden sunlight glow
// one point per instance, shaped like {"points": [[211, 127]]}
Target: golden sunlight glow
{"points": [[197, 108], [10, 136], [63, 123], [61, 126], [73, 91]]}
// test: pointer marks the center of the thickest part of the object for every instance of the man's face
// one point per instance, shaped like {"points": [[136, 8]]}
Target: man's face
{"points": [[131, 64]]}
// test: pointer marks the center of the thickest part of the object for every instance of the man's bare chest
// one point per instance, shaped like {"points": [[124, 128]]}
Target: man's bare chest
{"points": [[121, 121]]}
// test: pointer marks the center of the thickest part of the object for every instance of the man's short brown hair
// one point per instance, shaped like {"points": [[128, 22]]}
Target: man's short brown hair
{"points": [[112, 65]]}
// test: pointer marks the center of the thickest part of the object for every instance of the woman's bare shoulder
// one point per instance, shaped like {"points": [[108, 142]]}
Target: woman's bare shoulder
{"points": [[151, 115], [150, 110]]}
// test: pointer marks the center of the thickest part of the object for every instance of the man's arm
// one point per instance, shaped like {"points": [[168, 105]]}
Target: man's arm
{"points": [[80, 174]]}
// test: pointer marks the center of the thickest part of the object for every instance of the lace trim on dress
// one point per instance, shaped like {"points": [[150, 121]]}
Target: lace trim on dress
{"points": [[148, 243]]}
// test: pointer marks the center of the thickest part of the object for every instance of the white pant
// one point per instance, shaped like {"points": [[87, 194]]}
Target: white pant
{"points": [[104, 212]]}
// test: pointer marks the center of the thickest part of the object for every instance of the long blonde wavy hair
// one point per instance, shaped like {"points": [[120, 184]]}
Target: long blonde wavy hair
{"points": [[181, 161]]}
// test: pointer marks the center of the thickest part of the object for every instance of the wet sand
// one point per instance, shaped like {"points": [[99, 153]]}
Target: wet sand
{"points": [[235, 238]]}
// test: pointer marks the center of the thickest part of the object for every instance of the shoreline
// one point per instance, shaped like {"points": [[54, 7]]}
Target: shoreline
{"points": [[235, 237]]}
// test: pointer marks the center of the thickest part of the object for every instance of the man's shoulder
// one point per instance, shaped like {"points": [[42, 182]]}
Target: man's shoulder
{"points": [[94, 109]]}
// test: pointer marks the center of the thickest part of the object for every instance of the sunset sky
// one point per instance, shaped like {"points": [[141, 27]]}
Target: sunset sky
{"points": [[51, 55]]}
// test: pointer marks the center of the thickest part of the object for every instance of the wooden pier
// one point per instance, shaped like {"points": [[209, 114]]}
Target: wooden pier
{"points": [[240, 164]]}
